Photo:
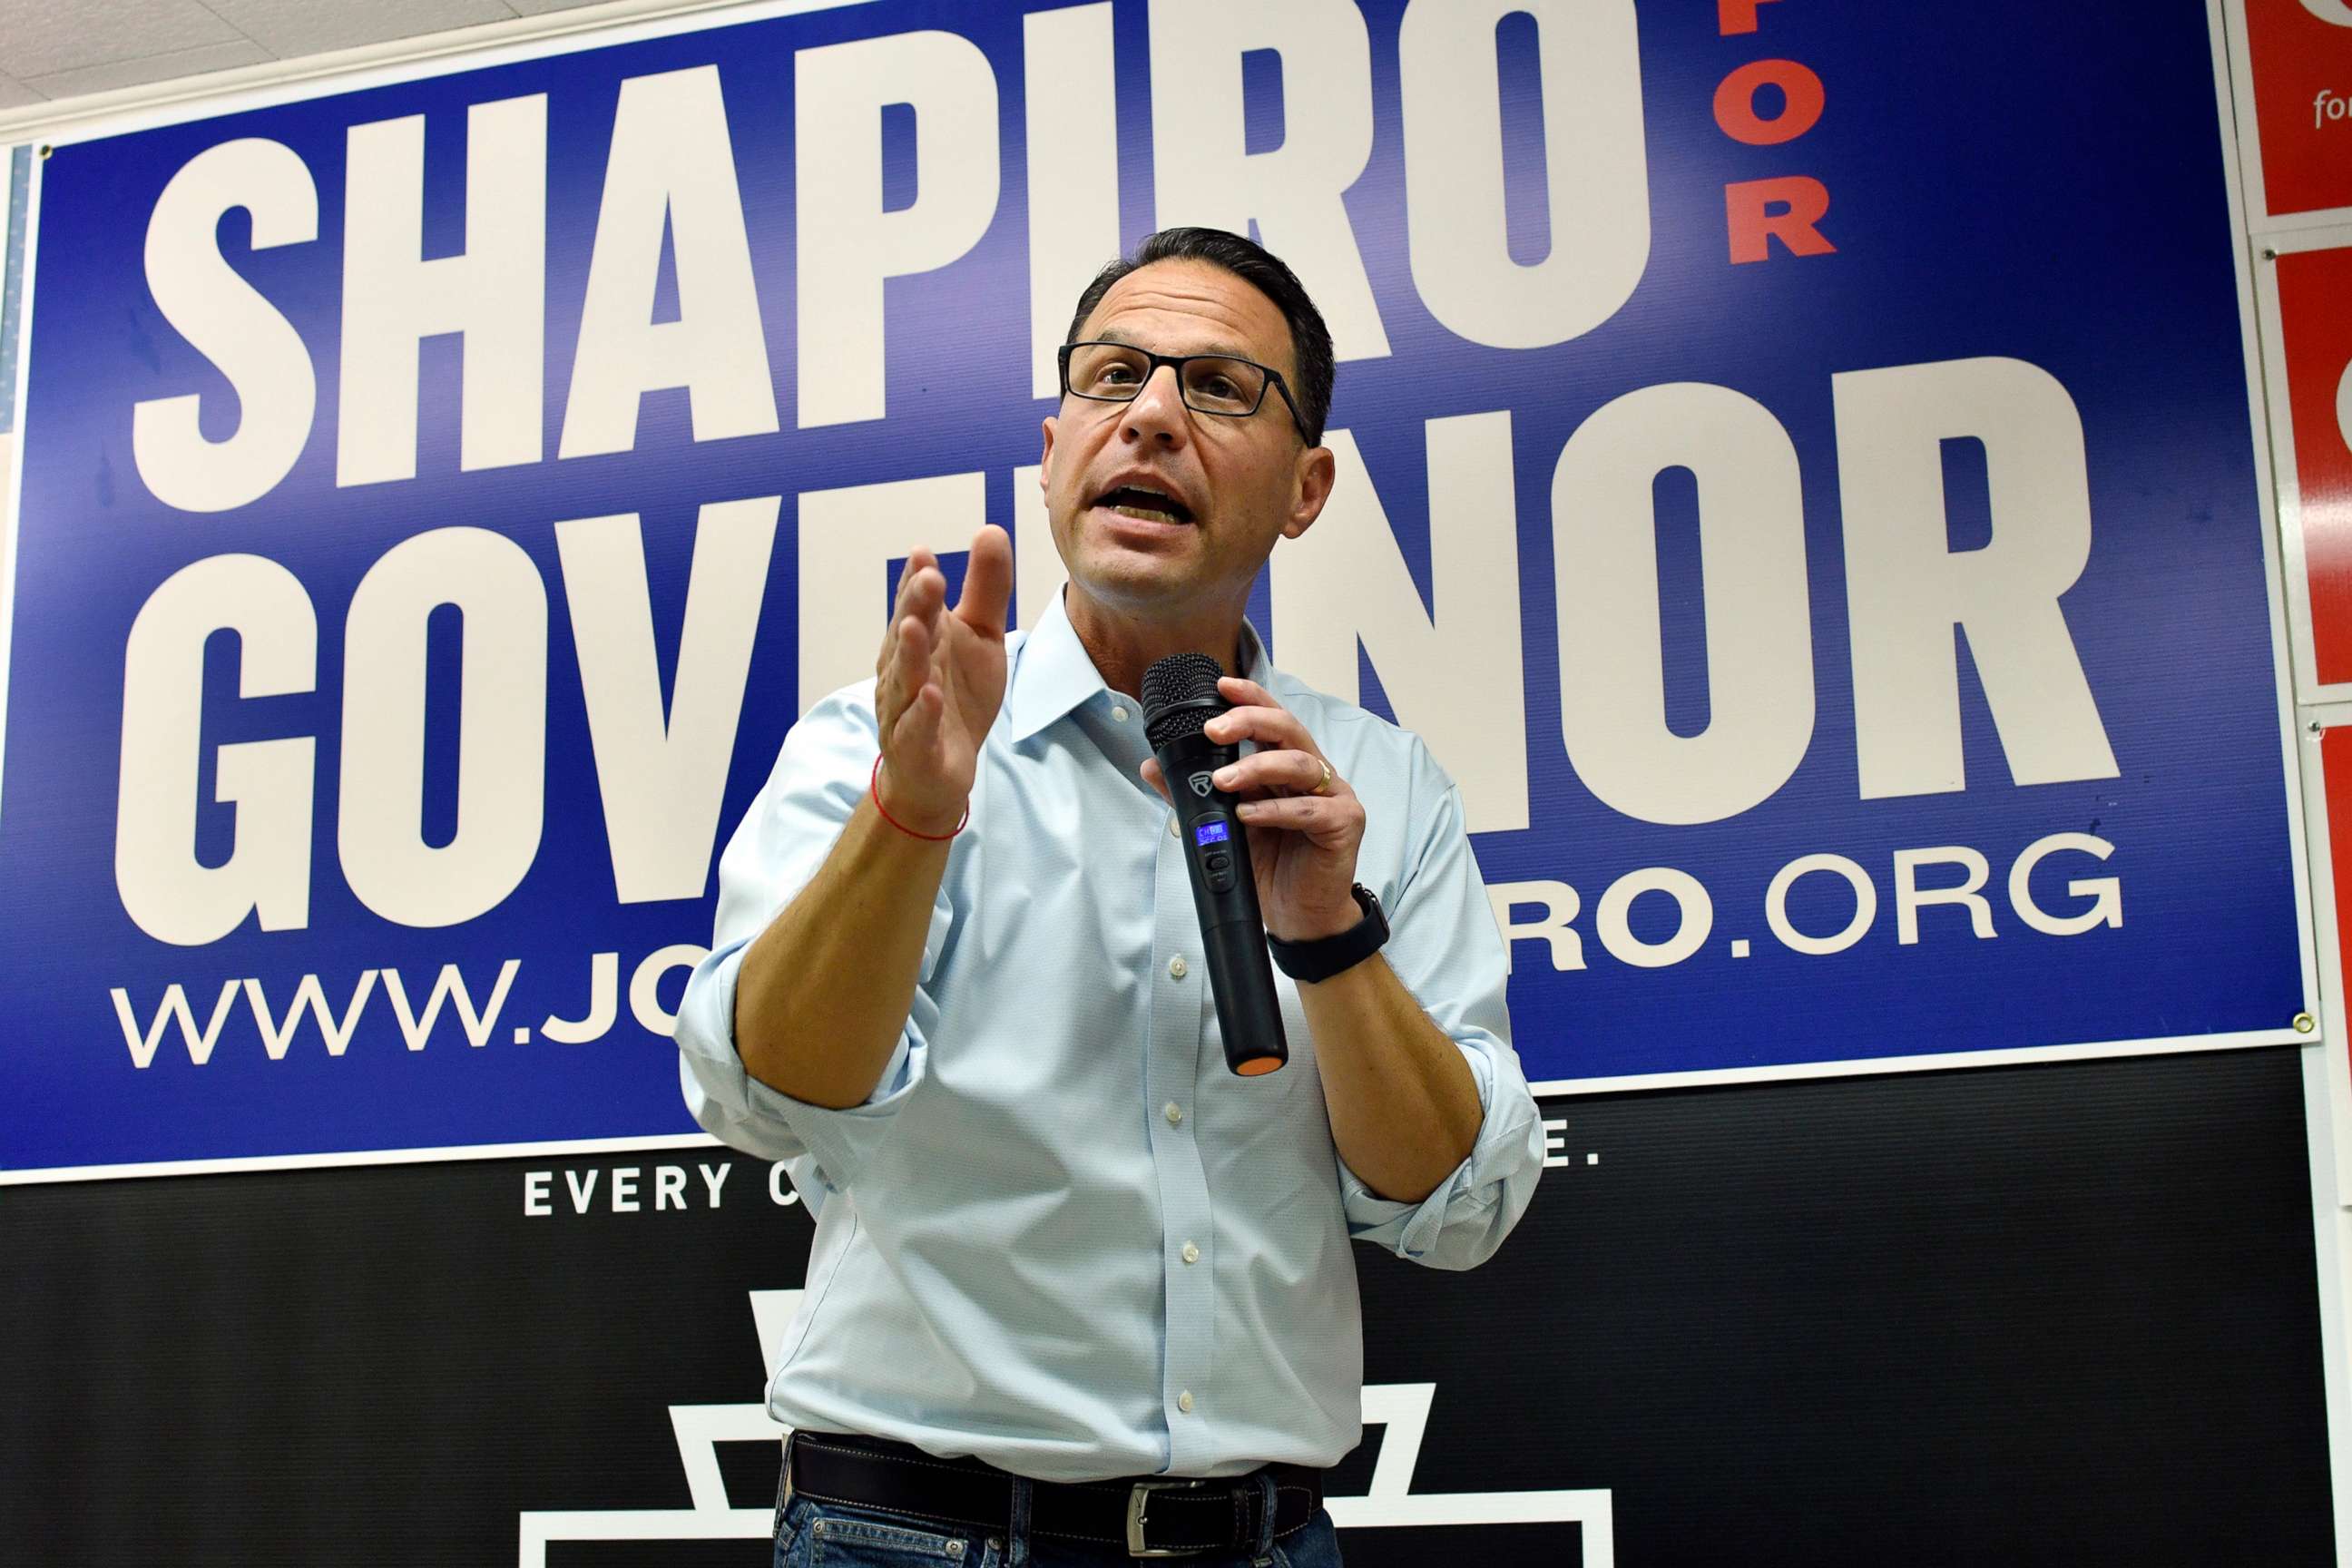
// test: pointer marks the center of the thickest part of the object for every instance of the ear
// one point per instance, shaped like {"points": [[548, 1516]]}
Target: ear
{"points": [[1045, 462], [1317, 471]]}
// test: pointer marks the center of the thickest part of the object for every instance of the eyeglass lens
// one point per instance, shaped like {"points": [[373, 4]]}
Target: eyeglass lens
{"points": [[1117, 372]]}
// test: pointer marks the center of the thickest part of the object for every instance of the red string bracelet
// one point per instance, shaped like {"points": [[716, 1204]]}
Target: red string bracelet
{"points": [[873, 788]]}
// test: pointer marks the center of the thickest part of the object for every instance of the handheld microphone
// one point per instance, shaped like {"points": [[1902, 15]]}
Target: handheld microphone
{"points": [[1180, 697]]}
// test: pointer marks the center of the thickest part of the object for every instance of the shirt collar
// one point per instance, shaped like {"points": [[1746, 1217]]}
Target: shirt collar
{"points": [[1054, 674]]}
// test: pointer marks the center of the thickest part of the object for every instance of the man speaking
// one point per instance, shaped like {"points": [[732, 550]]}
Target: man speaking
{"points": [[1081, 1288]]}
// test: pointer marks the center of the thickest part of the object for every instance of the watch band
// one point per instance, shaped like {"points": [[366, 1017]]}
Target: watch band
{"points": [[1327, 956]]}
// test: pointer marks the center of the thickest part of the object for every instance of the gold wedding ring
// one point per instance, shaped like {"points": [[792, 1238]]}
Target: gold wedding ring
{"points": [[1324, 787]]}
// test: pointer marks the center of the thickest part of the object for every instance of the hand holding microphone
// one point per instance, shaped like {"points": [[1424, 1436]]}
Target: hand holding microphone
{"points": [[1285, 825]]}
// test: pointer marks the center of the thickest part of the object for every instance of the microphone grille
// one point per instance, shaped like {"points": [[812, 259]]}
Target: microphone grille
{"points": [[1179, 695]]}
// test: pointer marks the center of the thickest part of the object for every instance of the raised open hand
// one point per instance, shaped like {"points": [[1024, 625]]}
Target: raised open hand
{"points": [[938, 681]]}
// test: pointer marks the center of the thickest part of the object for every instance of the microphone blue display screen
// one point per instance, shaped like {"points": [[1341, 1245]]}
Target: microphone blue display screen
{"points": [[1209, 833]]}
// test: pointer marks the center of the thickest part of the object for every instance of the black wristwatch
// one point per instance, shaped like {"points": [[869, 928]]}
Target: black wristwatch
{"points": [[1327, 956]]}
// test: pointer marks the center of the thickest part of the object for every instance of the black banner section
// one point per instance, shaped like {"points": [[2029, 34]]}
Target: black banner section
{"points": [[2039, 1315]]}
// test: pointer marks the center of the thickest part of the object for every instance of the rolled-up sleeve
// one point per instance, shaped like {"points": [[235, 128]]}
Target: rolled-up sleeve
{"points": [[783, 839], [1444, 946]]}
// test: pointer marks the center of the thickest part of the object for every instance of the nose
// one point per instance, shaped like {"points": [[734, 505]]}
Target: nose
{"points": [[1158, 414]]}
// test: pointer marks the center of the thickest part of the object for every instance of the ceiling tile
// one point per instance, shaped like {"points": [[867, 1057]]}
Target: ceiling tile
{"points": [[149, 67], [41, 36], [292, 27], [541, 7], [14, 94]]}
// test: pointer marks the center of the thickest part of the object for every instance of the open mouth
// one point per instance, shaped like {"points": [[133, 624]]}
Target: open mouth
{"points": [[1145, 505]]}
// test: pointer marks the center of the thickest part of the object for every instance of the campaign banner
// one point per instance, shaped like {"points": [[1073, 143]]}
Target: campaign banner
{"points": [[2308, 302], [2298, 63], [1817, 523]]}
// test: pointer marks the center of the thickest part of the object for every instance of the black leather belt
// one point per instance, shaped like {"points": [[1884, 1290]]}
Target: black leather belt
{"points": [[1151, 1515]]}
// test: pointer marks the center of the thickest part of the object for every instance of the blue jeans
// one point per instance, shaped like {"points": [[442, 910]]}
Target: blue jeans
{"points": [[811, 1534]]}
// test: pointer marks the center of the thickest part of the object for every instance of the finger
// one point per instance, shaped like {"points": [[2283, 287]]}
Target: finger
{"points": [[917, 735], [1266, 726], [910, 666], [918, 561], [987, 582], [922, 588], [900, 599], [1323, 819], [917, 645], [1152, 776], [927, 596], [1298, 771], [1243, 692]]}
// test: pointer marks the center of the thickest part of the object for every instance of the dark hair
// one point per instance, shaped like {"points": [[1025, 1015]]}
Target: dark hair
{"points": [[1310, 340]]}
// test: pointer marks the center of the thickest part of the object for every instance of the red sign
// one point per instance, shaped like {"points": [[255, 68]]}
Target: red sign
{"points": [[2336, 768], [2301, 55], [2315, 289]]}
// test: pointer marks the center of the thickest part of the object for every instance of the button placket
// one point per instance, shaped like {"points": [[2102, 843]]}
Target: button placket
{"points": [[1178, 1034]]}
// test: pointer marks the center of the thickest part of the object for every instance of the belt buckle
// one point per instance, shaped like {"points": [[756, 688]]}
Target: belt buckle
{"points": [[1136, 1495]]}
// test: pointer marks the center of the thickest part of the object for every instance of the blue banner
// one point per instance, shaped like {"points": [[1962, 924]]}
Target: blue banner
{"points": [[1795, 461]]}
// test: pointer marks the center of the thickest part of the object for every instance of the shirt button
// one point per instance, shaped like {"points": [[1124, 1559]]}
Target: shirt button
{"points": [[1174, 1112], [1118, 713], [1184, 1401], [1177, 967], [1191, 1253]]}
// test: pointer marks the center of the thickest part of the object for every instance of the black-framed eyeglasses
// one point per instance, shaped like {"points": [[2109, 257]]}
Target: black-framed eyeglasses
{"points": [[1221, 384]]}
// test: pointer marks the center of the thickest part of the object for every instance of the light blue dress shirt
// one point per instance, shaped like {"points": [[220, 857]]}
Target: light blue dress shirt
{"points": [[1062, 1234]]}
